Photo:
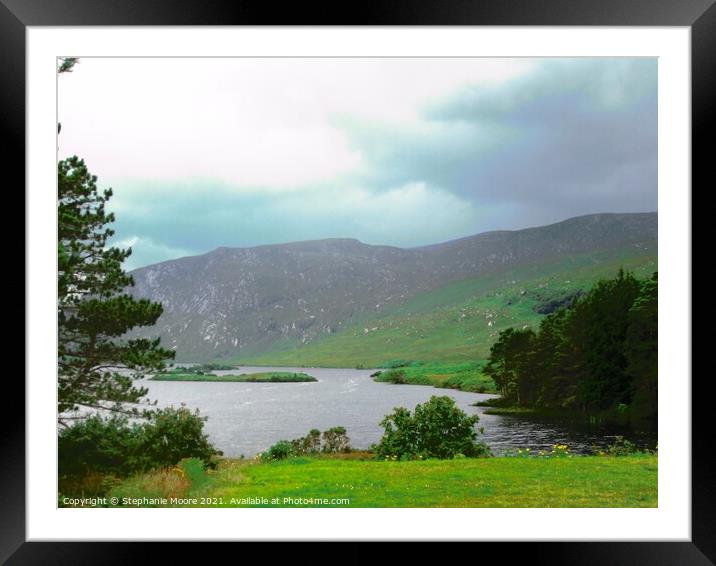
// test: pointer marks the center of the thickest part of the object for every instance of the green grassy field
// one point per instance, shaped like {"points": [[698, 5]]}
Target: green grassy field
{"points": [[466, 376], [262, 377], [578, 481], [456, 323]]}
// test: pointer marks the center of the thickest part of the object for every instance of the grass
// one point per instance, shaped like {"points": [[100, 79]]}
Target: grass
{"points": [[456, 323], [169, 482], [262, 377], [576, 481], [465, 376]]}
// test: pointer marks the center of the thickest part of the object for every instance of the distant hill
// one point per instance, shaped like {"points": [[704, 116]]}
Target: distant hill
{"points": [[245, 303]]}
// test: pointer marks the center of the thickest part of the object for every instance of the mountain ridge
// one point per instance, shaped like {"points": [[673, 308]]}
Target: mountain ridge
{"points": [[237, 299]]}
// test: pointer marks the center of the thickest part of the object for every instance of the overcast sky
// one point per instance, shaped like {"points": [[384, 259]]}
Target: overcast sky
{"points": [[202, 153]]}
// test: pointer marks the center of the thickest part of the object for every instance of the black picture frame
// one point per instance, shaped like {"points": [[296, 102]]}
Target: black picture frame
{"points": [[699, 15]]}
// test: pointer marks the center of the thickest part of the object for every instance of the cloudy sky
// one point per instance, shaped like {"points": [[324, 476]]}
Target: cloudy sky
{"points": [[202, 153]]}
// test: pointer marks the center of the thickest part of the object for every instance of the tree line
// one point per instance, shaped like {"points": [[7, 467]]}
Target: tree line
{"points": [[598, 357]]}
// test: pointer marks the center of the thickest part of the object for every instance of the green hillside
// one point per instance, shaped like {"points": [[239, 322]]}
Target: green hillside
{"points": [[457, 322]]}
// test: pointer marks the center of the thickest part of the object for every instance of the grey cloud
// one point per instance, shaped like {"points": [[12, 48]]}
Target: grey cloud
{"points": [[574, 136]]}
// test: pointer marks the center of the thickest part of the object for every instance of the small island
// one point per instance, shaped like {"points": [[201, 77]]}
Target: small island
{"points": [[263, 377]]}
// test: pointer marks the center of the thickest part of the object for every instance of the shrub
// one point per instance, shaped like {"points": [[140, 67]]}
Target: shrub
{"points": [[437, 429], [335, 440], [114, 448], [97, 446], [280, 451], [174, 434], [311, 443]]}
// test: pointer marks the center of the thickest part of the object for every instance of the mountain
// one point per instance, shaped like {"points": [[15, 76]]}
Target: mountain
{"points": [[244, 302]]}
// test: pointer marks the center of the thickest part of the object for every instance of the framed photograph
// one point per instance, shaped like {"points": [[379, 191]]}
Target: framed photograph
{"points": [[395, 281]]}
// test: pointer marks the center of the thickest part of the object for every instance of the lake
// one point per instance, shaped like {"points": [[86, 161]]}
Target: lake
{"points": [[247, 418]]}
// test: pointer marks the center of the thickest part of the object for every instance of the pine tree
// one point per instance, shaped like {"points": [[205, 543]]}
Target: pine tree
{"points": [[642, 352], [509, 363], [598, 326], [97, 365]]}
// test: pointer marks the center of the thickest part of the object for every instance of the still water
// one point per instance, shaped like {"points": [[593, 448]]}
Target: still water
{"points": [[247, 418]]}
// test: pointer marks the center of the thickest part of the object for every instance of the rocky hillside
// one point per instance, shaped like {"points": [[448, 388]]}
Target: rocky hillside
{"points": [[245, 300]]}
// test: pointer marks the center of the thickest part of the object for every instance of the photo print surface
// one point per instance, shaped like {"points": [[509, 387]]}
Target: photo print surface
{"points": [[357, 282]]}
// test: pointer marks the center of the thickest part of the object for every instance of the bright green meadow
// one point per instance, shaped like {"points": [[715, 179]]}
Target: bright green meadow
{"points": [[573, 481]]}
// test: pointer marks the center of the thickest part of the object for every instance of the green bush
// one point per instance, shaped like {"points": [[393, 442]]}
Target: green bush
{"points": [[113, 447], [334, 440], [309, 444], [437, 429], [97, 446], [174, 434], [280, 451]]}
